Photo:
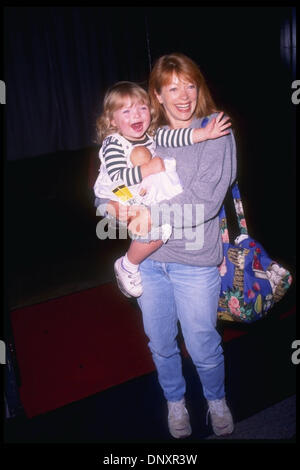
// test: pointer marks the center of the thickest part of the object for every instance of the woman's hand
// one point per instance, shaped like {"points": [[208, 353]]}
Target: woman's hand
{"points": [[217, 127], [117, 210], [140, 220]]}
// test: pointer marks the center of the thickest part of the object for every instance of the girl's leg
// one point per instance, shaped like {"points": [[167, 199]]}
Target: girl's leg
{"points": [[138, 251], [127, 267]]}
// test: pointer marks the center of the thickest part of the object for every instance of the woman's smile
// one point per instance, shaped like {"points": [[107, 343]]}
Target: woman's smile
{"points": [[184, 108]]}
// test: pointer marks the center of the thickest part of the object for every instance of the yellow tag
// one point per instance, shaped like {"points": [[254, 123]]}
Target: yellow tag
{"points": [[123, 193]]}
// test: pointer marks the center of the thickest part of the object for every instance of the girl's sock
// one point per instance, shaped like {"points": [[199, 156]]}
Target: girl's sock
{"points": [[132, 268]]}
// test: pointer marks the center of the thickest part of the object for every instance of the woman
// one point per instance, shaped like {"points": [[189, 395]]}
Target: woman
{"points": [[181, 280]]}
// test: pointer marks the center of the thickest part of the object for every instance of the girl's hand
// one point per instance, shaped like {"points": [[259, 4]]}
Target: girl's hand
{"points": [[143, 192], [216, 128]]}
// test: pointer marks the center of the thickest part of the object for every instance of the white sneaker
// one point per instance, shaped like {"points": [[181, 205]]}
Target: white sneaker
{"points": [[129, 283], [221, 418], [178, 419]]}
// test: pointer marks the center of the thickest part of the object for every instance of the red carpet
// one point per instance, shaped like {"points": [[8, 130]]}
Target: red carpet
{"points": [[75, 346]]}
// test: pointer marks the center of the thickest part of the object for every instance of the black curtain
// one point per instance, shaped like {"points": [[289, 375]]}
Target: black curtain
{"points": [[58, 63], [60, 60]]}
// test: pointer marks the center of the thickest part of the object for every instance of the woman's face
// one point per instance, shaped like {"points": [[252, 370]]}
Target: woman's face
{"points": [[179, 99]]}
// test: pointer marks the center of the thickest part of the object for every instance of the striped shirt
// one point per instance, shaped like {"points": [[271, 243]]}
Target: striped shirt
{"points": [[115, 156]]}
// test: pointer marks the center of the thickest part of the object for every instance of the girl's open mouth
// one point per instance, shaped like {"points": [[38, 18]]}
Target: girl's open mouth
{"points": [[137, 127]]}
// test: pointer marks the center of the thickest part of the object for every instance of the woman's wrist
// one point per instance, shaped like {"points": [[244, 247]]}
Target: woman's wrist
{"points": [[198, 135], [117, 210]]}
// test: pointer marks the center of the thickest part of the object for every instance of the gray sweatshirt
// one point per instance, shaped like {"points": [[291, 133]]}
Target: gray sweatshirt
{"points": [[206, 170]]}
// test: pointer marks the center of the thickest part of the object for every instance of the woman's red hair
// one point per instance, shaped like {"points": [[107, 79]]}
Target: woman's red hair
{"points": [[184, 68]]}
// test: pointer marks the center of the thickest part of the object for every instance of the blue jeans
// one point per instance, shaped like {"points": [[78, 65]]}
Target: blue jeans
{"points": [[189, 294]]}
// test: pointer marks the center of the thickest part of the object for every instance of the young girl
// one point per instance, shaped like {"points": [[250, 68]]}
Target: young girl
{"points": [[130, 173]]}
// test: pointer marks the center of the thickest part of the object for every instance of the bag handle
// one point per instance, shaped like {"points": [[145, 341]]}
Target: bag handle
{"points": [[239, 210]]}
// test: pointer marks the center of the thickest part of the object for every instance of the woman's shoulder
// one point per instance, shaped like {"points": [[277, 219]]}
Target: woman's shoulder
{"points": [[202, 121]]}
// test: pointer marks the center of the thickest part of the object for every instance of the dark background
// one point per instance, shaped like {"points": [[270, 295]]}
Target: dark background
{"points": [[58, 63]]}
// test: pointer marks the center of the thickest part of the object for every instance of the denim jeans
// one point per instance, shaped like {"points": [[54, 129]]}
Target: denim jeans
{"points": [[189, 294]]}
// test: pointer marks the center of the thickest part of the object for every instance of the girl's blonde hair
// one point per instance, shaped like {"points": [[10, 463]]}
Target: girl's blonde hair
{"points": [[161, 75], [113, 100]]}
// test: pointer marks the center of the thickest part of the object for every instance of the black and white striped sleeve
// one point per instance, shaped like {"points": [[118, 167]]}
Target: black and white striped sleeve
{"points": [[116, 165], [174, 137]]}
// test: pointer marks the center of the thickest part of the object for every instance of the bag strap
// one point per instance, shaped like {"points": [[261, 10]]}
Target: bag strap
{"points": [[239, 210]]}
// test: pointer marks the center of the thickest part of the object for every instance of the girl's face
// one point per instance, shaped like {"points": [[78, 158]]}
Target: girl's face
{"points": [[179, 99], [132, 119]]}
